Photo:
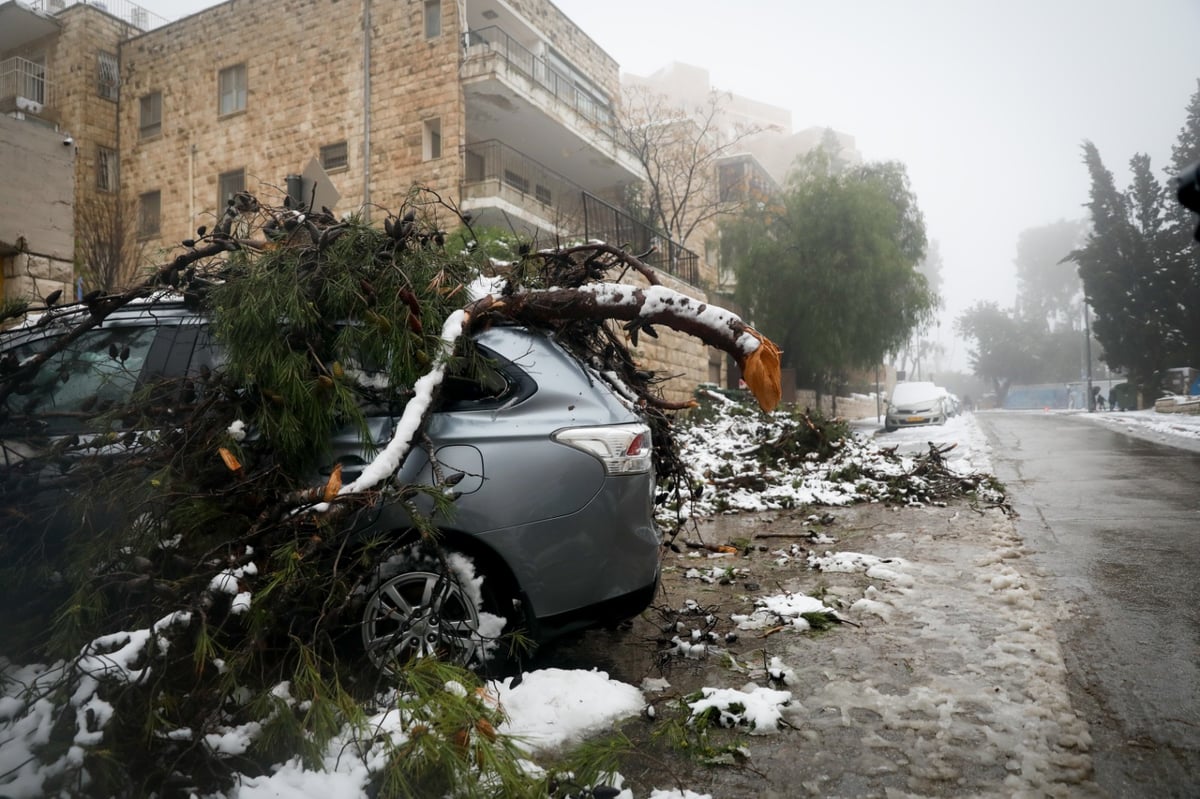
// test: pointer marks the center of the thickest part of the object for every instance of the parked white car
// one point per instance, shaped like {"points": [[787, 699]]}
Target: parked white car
{"points": [[916, 403]]}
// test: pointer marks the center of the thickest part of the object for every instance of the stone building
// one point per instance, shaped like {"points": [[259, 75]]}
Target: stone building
{"points": [[59, 100], [505, 108]]}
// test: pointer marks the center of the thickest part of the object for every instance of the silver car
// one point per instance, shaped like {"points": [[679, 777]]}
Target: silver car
{"points": [[551, 473]]}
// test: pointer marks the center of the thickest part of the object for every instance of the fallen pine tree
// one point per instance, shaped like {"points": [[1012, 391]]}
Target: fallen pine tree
{"points": [[143, 614]]}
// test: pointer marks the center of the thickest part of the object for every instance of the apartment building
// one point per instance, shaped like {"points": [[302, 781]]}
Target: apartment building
{"points": [[505, 108], [59, 100]]}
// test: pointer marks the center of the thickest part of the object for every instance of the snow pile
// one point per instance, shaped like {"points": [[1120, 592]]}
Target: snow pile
{"points": [[781, 610], [552, 707], [754, 709]]}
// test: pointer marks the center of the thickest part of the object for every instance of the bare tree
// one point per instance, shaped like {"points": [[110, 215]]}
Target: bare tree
{"points": [[679, 149], [107, 249]]}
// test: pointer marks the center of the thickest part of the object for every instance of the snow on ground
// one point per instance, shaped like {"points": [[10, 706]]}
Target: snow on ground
{"points": [[553, 708], [1176, 429]]}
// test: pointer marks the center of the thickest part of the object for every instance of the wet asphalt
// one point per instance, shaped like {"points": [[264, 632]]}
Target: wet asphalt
{"points": [[1113, 525]]}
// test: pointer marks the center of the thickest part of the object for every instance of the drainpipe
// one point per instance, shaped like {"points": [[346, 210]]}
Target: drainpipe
{"points": [[366, 203], [191, 189]]}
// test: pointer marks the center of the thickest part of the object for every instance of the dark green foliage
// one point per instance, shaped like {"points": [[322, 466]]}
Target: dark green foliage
{"points": [[1140, 266], [1129, 274], [831, 275], [820, 621], [297, 332], [1004, 348]]}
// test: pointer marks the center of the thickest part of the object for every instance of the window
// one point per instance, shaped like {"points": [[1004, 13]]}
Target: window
{"points": [[334, 156], [92, 374], [433, 18], [229, 184], [543, 194], [108, 75], [150, 116], [106, 169], [231, 84], [517, 181], [149, 209], [432, 139]]}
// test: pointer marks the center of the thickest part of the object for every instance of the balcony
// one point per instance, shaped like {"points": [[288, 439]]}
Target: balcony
{"points": [[26, 88], [514, 94], [123, 10], [496, 174], [610, 224], [564, 87], [500, 183]]}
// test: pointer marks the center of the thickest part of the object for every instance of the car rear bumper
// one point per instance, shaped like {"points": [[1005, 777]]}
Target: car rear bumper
{"points": [[606, 551]]}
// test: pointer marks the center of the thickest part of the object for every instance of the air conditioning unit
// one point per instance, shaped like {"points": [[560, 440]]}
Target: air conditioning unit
{"points": [[54, 6], [140, 18]]}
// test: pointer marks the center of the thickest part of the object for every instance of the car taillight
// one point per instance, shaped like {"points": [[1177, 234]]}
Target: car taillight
{"points": [[622, 448]]}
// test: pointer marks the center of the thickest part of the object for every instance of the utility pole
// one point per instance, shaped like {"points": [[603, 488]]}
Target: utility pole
{"points": [[1087, 349]]}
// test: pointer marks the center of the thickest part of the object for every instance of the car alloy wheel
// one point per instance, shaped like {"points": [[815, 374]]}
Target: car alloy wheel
{"points": [[420, 614]]}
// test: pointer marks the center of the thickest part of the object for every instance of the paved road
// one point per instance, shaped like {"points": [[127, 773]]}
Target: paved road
{"points": [[1114, 523]]}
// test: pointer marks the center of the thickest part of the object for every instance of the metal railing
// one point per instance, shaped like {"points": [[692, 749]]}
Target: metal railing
{"points": [[612, 225], [124, 10], [24, 83], [555, 197], [537, 69]]}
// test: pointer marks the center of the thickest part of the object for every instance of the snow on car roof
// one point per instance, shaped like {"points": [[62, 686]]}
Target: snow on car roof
{"points": [[916, 391]]}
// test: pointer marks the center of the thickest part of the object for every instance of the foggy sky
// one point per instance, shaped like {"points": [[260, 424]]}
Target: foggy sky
{"points": [[986, 103]]}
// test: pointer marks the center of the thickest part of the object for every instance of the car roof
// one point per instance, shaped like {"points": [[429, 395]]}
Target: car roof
{"points": [[916, 391]]}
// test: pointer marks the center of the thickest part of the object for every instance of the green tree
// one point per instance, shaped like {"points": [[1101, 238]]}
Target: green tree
{"points": [[1180, 227], [1003, 351], [1131, 277], [831, 272]]}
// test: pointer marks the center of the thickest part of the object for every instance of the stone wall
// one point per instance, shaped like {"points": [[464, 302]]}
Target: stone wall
{"points": [[89, 118], [683, 359], [36, 224], [857, 407], [305, 89]]}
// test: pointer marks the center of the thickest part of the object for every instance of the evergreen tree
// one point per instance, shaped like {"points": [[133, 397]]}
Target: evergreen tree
{"points": [[1128, 272], [1180, 228]]}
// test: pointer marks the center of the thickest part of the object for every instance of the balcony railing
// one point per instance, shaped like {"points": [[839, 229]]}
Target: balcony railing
{"points": [[506, 170], [499, 170], [560, 84], [134, 14], [610, 224], [24, 86]]}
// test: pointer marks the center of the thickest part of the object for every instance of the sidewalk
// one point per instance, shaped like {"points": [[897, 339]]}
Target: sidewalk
{"points": [[948, 682]]}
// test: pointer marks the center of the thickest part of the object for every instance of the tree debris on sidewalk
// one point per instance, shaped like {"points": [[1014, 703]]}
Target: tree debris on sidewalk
{"points": [[801, 457], [149, 616]]}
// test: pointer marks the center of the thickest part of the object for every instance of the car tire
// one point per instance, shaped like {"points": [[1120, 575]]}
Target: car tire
{"points": [[422, 603], [889, 428]]}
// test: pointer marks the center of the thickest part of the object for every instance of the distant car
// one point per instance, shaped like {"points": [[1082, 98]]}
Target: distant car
{"points": [[554, 500], [952, 404], [916, 403]]}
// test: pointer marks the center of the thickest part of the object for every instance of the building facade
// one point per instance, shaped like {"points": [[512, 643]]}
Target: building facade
{"points": [[504, 108], [59, 148]]}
